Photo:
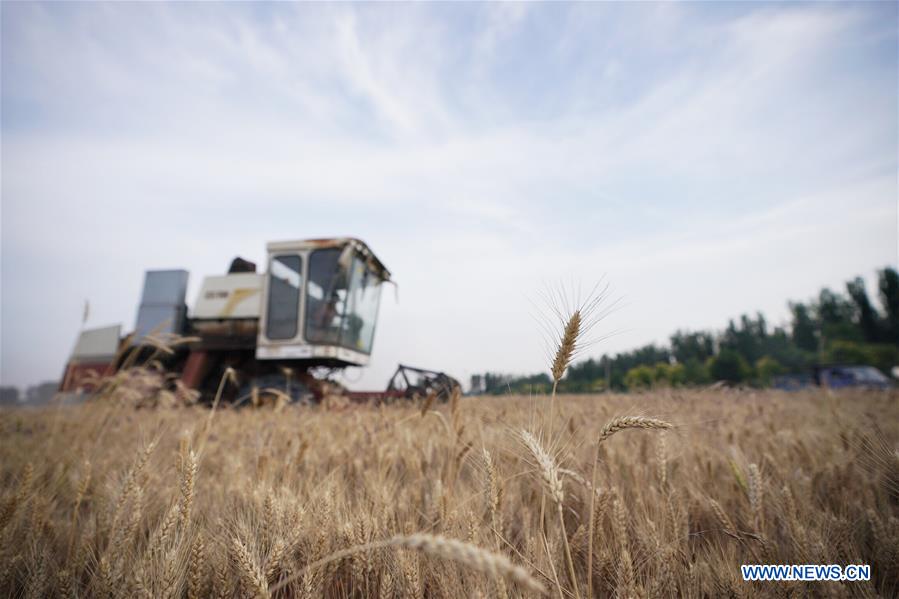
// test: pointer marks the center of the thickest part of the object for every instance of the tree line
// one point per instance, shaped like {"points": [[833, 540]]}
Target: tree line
{"points": [[833, 328]]}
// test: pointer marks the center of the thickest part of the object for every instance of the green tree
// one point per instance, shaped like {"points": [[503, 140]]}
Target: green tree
{"points": [[665, 374], [880, 355], [748, 339], [695, 372], [883, 356], [686, 345], [661, 374], [780, 346], [845, 352], [868, 320], [586, 371], [729, 366], [599, 385], [766, 368], [888, 282], [747, 343], [804, 331], [836, 316], [639, 377], [499, 384]]}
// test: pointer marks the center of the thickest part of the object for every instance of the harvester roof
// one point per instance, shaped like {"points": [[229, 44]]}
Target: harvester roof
{"points": [[334, 242]]}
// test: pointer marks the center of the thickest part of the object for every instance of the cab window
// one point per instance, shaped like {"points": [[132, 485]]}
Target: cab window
{"points": [[362, 308], [285, 276], [326, 296]]}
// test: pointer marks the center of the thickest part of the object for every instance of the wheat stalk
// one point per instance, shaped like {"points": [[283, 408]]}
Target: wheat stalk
{"points": [[230, 375], [549, 472], [613, 426]]}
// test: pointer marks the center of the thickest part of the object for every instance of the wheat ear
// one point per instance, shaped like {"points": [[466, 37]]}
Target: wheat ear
{"points": [[624, 422], [576, 477], [626, 565], [493, 492], [549, 472], [494, 565], [755, 496], [80, 493], [250, 571], [567, 346], [188, 476], [723, 520], [196, 568]]}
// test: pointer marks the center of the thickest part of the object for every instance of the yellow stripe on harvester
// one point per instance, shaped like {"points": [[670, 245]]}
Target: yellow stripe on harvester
{"points": [[237, 296]]}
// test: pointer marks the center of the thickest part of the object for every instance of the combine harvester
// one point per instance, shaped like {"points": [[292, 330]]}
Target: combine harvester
{"points": [[290, 329]]}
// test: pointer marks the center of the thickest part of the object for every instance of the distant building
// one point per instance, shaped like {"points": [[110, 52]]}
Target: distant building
{"points": [[834, 377], [9, 396], [838, 377], [41, 394], [477, 384]]}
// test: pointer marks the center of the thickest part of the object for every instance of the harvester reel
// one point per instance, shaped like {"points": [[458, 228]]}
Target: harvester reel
{"points": [[420, 382]]}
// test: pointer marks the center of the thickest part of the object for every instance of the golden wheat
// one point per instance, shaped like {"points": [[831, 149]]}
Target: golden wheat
{"points": [[494, 565], [567, 346], [298, 486]]}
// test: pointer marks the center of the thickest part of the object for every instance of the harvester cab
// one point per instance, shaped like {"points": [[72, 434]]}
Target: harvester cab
{"points": [[320, 302]]}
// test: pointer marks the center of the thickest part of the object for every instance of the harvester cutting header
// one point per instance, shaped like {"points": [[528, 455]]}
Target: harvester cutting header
{"points": [[314, 311]]}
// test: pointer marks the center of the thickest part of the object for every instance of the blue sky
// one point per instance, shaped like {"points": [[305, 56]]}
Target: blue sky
{"points": [[710, 159]]}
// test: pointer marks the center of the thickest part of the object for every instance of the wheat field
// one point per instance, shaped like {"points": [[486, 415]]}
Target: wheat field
{"points": [[481, 496]]}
